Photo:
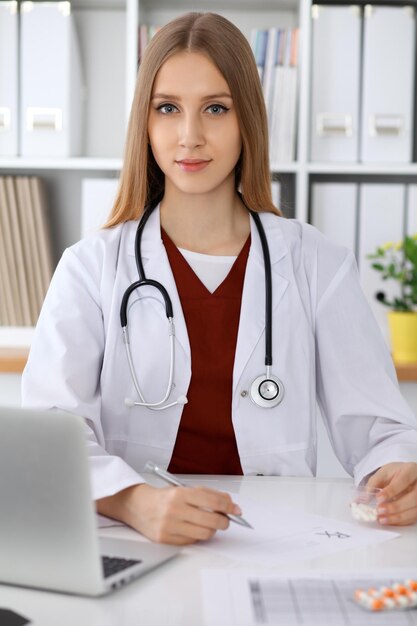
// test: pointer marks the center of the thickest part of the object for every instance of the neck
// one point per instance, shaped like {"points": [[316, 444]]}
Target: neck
{"points": [[211, 223]]}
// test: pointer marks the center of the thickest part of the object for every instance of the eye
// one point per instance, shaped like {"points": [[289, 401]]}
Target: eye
{"points": [[168, 108], [220, 109]]}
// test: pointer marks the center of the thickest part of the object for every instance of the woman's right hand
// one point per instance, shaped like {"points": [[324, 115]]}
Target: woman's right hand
{"points": [[174, 515]]}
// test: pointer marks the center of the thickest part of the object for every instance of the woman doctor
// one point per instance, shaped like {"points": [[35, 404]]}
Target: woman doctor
{"points": [[196, 161]]}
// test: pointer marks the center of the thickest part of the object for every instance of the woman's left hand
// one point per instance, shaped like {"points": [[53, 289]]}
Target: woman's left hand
{"points": [[397, 502]]}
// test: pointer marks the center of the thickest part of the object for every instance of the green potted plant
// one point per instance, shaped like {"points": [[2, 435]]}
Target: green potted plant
{"points": [[398, 262]]}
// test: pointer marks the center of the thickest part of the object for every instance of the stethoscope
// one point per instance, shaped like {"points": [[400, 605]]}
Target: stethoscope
{"points": [[266, 391]]}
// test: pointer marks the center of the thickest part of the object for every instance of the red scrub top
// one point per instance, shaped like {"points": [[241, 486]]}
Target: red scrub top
{"points": [[206, 442]]}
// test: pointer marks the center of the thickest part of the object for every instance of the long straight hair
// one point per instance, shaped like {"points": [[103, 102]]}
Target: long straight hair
{"points": [[142, 181]]}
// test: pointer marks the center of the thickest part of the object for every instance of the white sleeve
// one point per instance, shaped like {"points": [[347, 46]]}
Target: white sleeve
{"points": [[63, 369], [367, 419]]}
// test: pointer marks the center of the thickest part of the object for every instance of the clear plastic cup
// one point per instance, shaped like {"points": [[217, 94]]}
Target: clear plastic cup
{"points": [[363, 505]]}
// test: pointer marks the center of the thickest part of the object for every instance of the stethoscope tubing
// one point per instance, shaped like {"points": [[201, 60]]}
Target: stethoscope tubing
{"points": [[257, 386], [268, 288]]}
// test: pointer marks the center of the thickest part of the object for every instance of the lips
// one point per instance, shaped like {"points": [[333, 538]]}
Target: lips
{"points": [[192, 165]]}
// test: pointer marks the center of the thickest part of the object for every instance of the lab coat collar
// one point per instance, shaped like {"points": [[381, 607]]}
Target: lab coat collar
{"points": [[252, 317]]}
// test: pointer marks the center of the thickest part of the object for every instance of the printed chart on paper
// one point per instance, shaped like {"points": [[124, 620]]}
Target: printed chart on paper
{"points": [[254, 600]]}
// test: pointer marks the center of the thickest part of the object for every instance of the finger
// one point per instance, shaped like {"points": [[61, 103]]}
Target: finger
{"points": [[192, 531], [404, 501], [178, 509], [180, 532], [400, 482], [207, 519], [408, 500], [211, 499], [404, 518], [177, 540]]}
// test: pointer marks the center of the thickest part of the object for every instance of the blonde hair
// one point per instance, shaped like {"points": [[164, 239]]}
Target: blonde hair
{"points": [[142, 181]]}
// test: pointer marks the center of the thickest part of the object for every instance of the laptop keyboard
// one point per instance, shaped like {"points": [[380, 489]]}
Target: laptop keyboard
{"points": [[112, 565]]}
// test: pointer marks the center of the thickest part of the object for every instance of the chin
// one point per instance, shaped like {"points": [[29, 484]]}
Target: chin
{"points": [[197, 186]]}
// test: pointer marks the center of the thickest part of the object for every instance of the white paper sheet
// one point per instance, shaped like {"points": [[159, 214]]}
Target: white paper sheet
{"points": [[281, 534], [106, 522], [251, 598]]}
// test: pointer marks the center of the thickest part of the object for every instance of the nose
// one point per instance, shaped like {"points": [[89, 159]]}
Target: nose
{"points": [[191, 131]]}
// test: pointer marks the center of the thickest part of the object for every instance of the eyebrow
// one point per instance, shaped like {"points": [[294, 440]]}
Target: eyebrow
{"points": [[166, 96]]}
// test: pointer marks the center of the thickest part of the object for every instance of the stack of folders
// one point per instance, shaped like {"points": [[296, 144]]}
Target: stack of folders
{"points": [[362, 217], [276, 55], [40, 61], [25, 250], [8, 79], [363, 66]]}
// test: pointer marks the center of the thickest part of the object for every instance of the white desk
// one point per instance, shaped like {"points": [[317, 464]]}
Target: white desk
{"points": [[172, 595]]}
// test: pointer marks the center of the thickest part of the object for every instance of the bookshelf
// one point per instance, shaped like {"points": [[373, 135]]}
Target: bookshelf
{"points": [[110, 73]]}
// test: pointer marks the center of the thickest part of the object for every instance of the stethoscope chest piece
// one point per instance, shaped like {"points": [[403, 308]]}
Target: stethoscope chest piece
{"points": [[267, 392]]}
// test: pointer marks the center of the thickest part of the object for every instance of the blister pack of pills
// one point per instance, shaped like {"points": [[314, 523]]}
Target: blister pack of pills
{"points": [[398, 596]]}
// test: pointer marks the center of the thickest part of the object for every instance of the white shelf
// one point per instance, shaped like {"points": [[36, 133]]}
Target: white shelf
{"points": [[285, 168], [98, 5], [224, 5], [76, 163], [382, 169], [115, 165], [16, 336]]}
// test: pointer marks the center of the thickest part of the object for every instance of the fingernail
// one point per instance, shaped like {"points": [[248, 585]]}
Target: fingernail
{"points": [[381, 510], [237, 510], [382, 520]]}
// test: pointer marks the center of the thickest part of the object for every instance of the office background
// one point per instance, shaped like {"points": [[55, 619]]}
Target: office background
{"points": [[339, 83]]}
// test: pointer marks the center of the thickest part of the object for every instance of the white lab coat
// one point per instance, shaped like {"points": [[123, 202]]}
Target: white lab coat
{"points": [[326, 346]]}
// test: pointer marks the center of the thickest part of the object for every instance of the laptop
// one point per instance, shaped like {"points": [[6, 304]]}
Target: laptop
{"points": [[48, 526]]}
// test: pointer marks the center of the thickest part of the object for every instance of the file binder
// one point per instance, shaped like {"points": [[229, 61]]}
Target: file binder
{"points": [[334, 212], [24, 241], [42, 232], [23, 182], [276, 193], [269, 70], [8, 79], [97, 199], [25, 250], [282, 132], [51, 81], [336, 54], [259, 39], [382, 209], [9, 313], [14, 254], [388, 84]]}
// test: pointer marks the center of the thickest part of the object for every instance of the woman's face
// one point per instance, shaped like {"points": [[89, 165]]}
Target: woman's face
{"points": [[192, 117]]}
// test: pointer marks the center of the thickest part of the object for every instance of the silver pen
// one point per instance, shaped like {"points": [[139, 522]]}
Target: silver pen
{"points": [[173, 480]]}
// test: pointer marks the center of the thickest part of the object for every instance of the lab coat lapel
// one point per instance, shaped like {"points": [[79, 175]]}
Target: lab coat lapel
{"points": [[252, 313], [157, 267]]}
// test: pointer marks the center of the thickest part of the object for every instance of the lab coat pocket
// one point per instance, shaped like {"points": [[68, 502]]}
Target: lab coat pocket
{"points": [[290, 460]]}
